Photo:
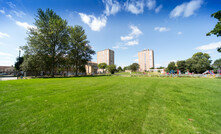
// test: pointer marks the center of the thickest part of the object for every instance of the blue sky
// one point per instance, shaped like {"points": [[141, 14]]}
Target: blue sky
{"points": [[174, 29]]}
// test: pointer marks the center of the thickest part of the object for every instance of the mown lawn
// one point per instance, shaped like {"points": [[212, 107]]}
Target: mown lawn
{"points": [[111, 104]]}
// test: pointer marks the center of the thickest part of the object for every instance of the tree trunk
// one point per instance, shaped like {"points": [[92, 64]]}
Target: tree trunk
{"points": [[76, 70], [53, 61]]}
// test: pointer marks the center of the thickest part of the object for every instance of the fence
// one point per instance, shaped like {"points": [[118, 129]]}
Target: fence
{"points": [[170, 75]]}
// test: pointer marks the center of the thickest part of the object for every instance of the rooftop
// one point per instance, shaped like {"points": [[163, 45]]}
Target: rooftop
{"points": [[105, 49], [146, 50]]}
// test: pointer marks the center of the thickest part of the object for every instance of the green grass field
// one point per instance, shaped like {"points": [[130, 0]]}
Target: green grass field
{"points": [[111, 104]]}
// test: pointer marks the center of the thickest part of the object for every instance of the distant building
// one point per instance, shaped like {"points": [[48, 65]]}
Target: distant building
{"points": [[105, 56], [146, 60], [7, 69], [91, 68]]}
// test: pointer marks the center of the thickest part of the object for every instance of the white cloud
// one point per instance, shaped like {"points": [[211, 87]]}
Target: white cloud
{"points": [[191, 7], [161, 29], [186, 9], [134, 33], [132, 43], [19, 13], [2, 35], [125, 38], [178, 10], [5, 54], [96, 24], [24, 25], [210, 46], [135, 30], [111, 7], [2, 11], [157, 10], [10, 4], [136, 60], [119, 45], [135, 7], [151, 4], [9, 16], [179, 33]]}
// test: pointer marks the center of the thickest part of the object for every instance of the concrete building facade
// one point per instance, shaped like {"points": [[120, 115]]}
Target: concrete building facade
{"points": [[146, 60], [105, 56], [91, 68], [7, 69]]}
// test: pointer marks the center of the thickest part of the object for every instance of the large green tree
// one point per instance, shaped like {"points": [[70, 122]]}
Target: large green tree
{"points": [[102, 66], [217, 63], [126, 68], [18, 63], [217, 29], [181, 65], [171, 66], [49, 40], [111, 68], [79, 52], [33, 64], [134, 67], [119, 69], [198, 63]]}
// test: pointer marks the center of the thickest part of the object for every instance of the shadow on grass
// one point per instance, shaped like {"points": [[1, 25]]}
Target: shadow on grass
{"points": [[49, 77]]}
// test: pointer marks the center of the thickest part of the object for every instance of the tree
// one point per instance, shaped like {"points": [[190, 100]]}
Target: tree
{"points": [[102, 66], [217, 63], [181, 65], [79, 52], [111, 68], [134, 67], [126, 68], [49, 40], [217, 29], [189, 65], [219, 49], [119, 69], [33, 64], [18, 63], [171, 66], [160, 67], [198, 63]]}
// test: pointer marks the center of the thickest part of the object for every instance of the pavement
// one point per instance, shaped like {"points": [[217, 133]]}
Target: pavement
{"points": [[7, 78]]}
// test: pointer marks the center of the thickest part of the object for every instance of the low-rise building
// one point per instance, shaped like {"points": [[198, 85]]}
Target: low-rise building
{"points": [[7, 69], [91, 68]]}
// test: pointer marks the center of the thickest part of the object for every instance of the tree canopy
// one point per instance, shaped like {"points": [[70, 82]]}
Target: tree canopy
{"points": [[181, 65], [217, 63], [102, 65], [119, 69], [134, 67], [171, 66], [217, 29], [111, 68], [198, 63], [79, 51], [54, 46], [18, 63]]}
